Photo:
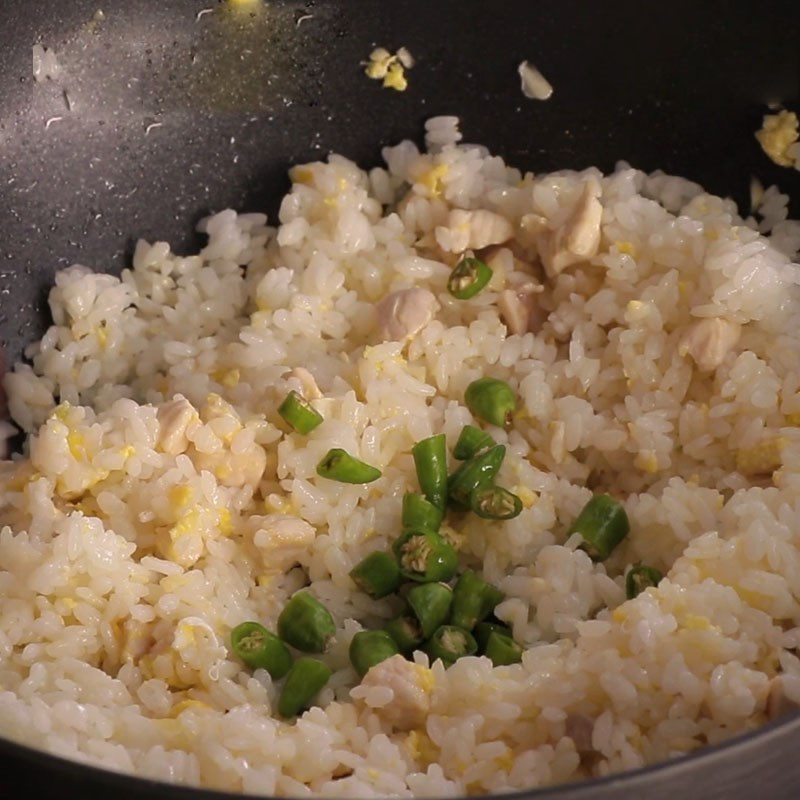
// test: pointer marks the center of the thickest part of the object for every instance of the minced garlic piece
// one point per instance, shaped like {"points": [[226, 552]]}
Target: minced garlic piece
{"points": [[389, 67]]}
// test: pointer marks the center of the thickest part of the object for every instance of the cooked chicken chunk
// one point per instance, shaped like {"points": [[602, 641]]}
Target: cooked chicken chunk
{"points": [[174, 417], [578, 238], [518, 308], [305, 380], [708, 341], [473, 230], [403, 314], [281, 539], [410, 684]]}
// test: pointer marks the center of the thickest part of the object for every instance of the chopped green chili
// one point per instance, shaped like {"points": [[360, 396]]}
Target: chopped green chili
{"points": [[470, 442], [502, 650], [430, 603], [430, 459], [304, 681], [473, 600], [450, 643], [495, 502], [339, 465], [368, 648], [377, 574], [479, 471], [425, 557], [491, 400], [639, 578], [419, 514], [299, 413], [468, 278], [484, 629], [260, 649], [603, 524], [306, 624], [406, 632]]}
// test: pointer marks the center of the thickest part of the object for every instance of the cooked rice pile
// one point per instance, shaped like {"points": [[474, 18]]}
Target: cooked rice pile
{"points": [[160, 501]]}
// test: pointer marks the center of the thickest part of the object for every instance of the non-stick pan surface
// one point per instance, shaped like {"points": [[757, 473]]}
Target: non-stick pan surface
{"points": [[164, 114]]}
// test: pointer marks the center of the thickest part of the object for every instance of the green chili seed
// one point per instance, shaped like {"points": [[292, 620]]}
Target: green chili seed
{"points": [[299, 413], [468, 278], [603, 524], [304, 681], [491, 400], [640, 578], [430, 603], [368, 648], [406, 633], [484, 629], [306, 624], [495, 502], [470, 442], [339, 465], [260, 649], [430, 459], [479, 471], [502, 650], [450, 643], [425, 557], [473, 600], [419, 514], [377, 575]]}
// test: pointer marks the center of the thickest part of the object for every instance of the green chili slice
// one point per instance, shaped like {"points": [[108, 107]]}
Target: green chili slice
{"points": [[639, 578], [430, 603], [260, 649], [450, 643], [368, 648], [468, 278], [430, 459], [470, 442], [473, 600], [304, 681], [339, 465], [502, 650], [491, 400], [299, 413], [306, 624], [406, 633], [419, 514], [377, 574], [425, 557], [603, 524], [494, 502], [479, 471]]}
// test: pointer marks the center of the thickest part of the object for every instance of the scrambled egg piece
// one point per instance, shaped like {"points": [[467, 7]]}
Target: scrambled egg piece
{"points": [[762, 459], [390, 68], [778, 133]]}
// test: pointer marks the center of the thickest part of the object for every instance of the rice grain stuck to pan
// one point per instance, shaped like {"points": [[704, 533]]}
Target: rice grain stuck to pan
{"points": [[162, 499]]}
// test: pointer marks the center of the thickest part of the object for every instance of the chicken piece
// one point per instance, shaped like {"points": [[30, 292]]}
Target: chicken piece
{"points": [[308, 386], [174, 418], [708, 341], [531, 227], [778, 702], [411, 686], [403, 314], [578, 238], [473, 230], [518, 306], [580, 728], [281, 539]]}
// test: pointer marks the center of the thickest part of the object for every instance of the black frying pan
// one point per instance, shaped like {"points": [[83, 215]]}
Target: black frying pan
{"points": [[168, 117]]}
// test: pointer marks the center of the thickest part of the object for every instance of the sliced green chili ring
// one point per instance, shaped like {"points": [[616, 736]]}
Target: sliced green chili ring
{"points": [[473, 600], [491, 400], [368, 648], [430, 459], [425, 557], [639, 578], [468, 278], [495, 502], [260, 649], [306, 624], [479, 471], [303, 683], [502, 650], [603, 524], [419, 514], [377, 574], [470, 442], [406, 632], [299, 413], [484, 629], [430, 603], [450, 643], [339, 465]]}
